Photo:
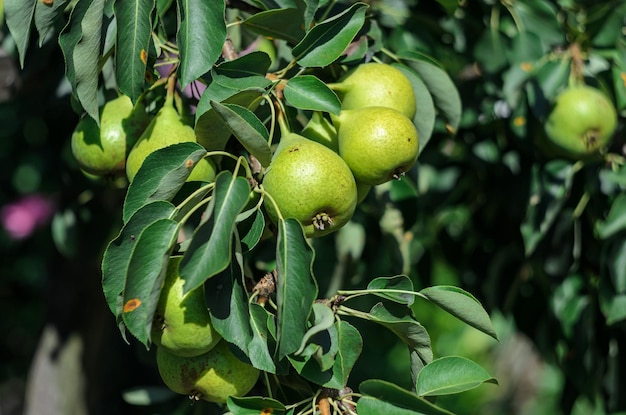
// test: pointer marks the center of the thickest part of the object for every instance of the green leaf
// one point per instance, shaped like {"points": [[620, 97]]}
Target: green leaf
{"points": [[258, 347], [462, 305], [441, 87], [615, 220], [254, 406], [451, 374], [251, 230], [322, 318], [328, 40], [161, 175], [400, 320], [118, 252], [382, 285], [248, 129], [133, 38], [228, 305], [615, 309], [540, 17], [490, 50], [19, 16], [296, 288], [350, 345], [146, 270], [526, 48], [201, 35], [385, 397], [210, 131], [307, 92], [552, 76], [550, 187], [210, 249], [80, 42], [402, 323], [426, 115], [46, 18], [616, 263], [286, 24]]}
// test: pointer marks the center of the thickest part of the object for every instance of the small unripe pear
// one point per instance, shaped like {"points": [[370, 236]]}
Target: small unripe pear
{"points": [[311, 183], [321, 130], [182, 323], [212, 376], [582, 121], [167, 128], [377, 143], [102, 150], [376, 84]]}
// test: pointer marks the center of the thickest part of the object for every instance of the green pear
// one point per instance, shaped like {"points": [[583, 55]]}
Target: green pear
{"points": [[321, 130], [102, 150], [377, 143], [311, 183], [581, 122], [182, 323], [362, 190], [165, 129], [376, 84], [212, 376]]}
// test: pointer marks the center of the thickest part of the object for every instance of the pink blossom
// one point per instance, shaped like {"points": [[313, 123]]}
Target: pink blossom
{"points": [[21, 217]]}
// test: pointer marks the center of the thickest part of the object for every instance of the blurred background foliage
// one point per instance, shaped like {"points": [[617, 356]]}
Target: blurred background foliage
{"points": [[551, 274]]}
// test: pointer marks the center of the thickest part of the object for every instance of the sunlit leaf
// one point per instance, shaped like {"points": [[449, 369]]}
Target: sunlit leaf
{"points": [[118, 252], [451, 374], [307, 92], [328, 40], [210, 131], [134, 27], [211, 245], [201, 35], [387, 287], [146, 270], [248, 129], [392, 399], [161, 175], [462, 305]]}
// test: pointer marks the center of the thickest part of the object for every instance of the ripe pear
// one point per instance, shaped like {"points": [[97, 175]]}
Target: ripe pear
{"points": [[165, 129], [212, 376], [377, 143], [102, 150], [581, 122], [182, 323], [376, 84], [311, 183]]}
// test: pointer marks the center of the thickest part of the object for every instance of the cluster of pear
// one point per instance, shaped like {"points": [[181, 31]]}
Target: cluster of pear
{"points": [[320, 175], [581, 122], [127, 135], [191, 356]]}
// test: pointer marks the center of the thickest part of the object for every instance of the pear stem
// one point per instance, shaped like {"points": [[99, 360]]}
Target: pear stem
{"points": [[171, 89], [282, 121]]}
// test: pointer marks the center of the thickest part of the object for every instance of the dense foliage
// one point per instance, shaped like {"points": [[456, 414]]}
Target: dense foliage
{"points": [[535, 233]]}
